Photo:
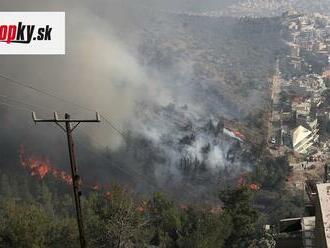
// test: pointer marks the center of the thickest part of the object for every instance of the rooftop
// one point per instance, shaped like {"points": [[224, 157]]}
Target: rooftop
{"points": [[299, 134], [323, 191]]}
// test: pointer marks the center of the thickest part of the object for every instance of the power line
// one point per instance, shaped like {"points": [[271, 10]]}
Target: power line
{"points": [[142, 177], [110, 123], [124, 135], [15, 107], [28, 86], [22, 102]]}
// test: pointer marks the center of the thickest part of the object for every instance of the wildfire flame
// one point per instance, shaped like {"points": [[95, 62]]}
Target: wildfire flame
{"points": [[242, 182], [40, 168], [254, 187]]}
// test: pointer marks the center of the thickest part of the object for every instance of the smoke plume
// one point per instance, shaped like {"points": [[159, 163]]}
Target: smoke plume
{"points": [[120, 60]]}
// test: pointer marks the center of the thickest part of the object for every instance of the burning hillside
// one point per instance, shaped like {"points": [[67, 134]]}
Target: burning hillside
{"points": [[180, 77], [40, 168], [176, 148]]}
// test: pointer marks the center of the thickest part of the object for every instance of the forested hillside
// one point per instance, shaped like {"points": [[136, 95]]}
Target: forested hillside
{"points": [[40, 214]]}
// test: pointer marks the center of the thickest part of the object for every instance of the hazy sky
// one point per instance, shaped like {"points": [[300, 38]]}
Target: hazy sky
{"points": [[170, 4]]}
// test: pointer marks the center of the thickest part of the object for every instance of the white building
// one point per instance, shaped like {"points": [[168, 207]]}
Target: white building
{"points": [[322, 214], [303, 139]]}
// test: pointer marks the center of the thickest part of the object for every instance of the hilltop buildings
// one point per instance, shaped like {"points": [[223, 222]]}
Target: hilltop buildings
{"points": [[322, 216], [310, 231]]}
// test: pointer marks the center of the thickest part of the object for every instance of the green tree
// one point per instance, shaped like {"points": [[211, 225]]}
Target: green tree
{"points": [[204, 229], [267, 241], [113, 220], [63, 232], [165, 218], [46, 198], [272, 173], [238, 203], [5, 189], [25, 192], [23, 225]]}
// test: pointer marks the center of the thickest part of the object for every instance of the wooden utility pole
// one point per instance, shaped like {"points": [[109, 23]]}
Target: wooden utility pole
{"points": [[68, 129]]}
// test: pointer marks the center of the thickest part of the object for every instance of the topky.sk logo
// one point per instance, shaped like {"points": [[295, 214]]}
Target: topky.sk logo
{"points": [[32, 33]]}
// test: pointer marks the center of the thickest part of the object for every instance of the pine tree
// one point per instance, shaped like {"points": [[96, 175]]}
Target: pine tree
{"points": [[46, 199], [5, 189]]}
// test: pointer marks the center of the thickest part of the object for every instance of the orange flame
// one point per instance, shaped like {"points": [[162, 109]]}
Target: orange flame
{"points": [[254, 187], [41, 168], [242, 182]]}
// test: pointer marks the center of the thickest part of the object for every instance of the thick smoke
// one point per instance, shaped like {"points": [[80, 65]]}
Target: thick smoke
{"points": [[98, 71], [167, 111]]}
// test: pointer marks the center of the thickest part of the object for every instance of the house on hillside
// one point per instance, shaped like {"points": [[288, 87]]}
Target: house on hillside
{"points": [[302, 107], [309, 231], [230, 132]]}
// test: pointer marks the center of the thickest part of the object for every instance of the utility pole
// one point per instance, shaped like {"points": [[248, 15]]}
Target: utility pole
{"points": [[68, 128]]}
